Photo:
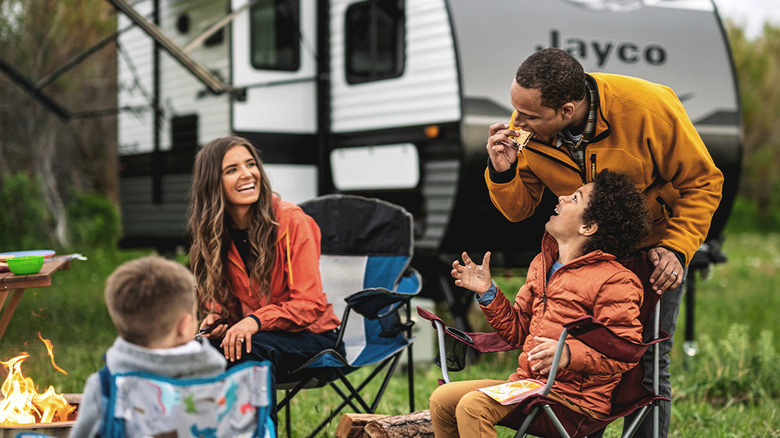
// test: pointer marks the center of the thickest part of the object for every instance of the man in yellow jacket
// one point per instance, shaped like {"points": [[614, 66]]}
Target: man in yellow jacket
{"points": [[582, 123]]}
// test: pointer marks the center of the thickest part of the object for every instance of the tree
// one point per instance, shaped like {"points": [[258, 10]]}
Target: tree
{"points": [[38, 37], [757, 63]]}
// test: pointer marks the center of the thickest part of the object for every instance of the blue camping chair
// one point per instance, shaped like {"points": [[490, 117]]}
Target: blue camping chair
{"points": [[367, 247]]}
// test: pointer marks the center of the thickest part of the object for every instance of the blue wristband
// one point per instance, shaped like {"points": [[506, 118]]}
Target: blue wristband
{"points": [[257, 320]]}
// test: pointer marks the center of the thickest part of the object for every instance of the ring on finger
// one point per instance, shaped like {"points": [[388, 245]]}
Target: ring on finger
{"points": [[675, 274], [240, 340]]}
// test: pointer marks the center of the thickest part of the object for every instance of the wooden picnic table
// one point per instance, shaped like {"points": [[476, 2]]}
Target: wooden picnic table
{"points": [[19, 283]]}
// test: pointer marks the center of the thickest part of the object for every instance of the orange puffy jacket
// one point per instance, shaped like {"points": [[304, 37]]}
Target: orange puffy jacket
{"points": [[594, 284]]}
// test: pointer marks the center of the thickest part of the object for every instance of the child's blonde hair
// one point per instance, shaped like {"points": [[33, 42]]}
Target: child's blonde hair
{"points": [[146, 297]]}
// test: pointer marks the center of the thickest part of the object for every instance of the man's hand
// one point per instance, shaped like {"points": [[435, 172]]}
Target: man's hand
{"points": [[668, 273], [471, 276], [543, 355], [501, 149]]}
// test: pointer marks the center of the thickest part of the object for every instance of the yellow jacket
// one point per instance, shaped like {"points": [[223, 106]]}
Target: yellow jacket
{"points": [[642, 129]]}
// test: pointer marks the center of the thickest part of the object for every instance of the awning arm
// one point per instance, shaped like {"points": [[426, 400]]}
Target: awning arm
{"points": [[42, 97], [217, 26], [151, 29]]}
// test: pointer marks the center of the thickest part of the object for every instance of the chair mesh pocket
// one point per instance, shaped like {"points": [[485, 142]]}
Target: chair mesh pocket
{"points": [[456, 354]]}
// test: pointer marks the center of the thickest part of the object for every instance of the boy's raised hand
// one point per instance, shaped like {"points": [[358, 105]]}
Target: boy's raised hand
{"points": [[471, 276]]}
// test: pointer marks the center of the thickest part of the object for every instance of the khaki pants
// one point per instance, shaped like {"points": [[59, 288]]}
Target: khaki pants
{"points": [[458, 409]]}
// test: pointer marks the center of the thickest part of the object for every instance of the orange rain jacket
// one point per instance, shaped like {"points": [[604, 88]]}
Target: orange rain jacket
{"points": [[594, 284], [297, 302], [642, 129]]}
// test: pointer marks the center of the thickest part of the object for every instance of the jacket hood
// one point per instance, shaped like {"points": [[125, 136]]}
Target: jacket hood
{"points": [[197, 359]]}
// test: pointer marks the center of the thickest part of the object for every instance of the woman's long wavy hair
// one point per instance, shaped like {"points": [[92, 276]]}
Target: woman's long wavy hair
{"points": [[207, 226]]}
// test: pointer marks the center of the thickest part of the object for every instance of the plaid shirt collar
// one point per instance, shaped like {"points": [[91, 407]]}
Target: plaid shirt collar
{"points": [[575, 142]]}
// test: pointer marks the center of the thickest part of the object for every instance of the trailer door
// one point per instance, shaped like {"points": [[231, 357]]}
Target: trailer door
{"points": [[274, 59]]}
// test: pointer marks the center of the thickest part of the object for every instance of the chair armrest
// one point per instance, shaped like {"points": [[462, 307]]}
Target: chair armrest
{"points": [[372, 303], [601, 338], [484, 342]]}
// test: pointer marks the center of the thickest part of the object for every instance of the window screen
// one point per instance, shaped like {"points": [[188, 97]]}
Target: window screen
{"points": [[275, 30], [375, 40]]}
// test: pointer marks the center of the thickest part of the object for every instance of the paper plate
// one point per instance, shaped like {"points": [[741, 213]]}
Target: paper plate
{"points": [[35, 252]]}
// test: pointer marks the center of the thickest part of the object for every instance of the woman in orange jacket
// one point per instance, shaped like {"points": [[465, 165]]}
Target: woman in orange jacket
{"points": [[576, 274], [256, 261]]}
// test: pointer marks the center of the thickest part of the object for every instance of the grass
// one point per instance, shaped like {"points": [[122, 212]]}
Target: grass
{"points": [[731, 388]]}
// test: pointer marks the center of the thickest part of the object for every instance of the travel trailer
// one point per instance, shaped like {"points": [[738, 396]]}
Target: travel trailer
{"points": [[389, 99]]}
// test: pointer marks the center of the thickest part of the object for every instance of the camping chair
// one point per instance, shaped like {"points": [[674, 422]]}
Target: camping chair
{"points": [[235, 403], [367, 246], [629, 395]]}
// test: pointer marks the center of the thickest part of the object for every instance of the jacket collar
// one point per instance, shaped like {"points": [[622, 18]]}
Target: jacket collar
{"points": [[603, 128], [550, 253]]}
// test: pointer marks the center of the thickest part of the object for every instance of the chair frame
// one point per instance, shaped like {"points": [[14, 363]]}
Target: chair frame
{"points": [[306, 377], [582, 324]]}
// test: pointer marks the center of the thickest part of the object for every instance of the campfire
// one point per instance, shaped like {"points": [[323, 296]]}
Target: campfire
{"points": [[22, 404]]}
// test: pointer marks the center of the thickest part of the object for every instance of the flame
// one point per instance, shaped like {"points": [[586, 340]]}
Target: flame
{"points": [[22, 404], [49, 348]]}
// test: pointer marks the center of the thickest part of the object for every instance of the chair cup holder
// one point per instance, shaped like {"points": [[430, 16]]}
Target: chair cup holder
{"points": [[391, 325], [456, 354]]}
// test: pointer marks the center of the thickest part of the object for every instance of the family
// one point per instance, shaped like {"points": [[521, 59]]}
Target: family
{"points": [[630, 172]]}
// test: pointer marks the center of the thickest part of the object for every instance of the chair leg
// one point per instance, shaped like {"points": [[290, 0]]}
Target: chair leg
{"points": [[288, 416], [632, 428], [385, 382], [526, 422], [410, 359], [529, 418], [656, 365], [556, 422], [354, 393]]}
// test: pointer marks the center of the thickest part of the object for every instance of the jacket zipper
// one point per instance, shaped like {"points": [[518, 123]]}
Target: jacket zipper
{"points": [[592, 167], [665, 206]]}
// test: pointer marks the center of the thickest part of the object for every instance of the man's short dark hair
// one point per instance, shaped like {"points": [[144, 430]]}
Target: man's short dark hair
{"points": [[619, 209], [554, 72]]}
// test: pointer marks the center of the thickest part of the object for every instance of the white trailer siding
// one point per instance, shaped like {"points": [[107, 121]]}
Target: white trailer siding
{"points": [[180, 92], [134, 81], [426, 92]]}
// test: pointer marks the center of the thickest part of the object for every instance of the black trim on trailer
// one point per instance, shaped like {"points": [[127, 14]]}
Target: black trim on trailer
{"points": [[404, 134], [167, 163], [324, 139], [280, 148], [157, 166]]}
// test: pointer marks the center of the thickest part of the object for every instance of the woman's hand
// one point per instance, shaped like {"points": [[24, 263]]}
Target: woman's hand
{"points": [[543, 355], [471, 276], [238, 337], [218, 331]]}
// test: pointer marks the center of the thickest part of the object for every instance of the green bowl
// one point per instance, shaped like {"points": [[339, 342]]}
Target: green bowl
{"points": [[25, 265]]}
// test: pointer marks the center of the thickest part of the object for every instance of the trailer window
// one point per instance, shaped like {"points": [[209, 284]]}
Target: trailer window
{"points": [[275, 27], [375, 40]]}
